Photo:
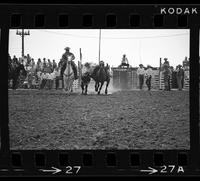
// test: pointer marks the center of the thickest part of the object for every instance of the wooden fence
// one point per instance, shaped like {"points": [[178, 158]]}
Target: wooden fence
{"points": [[128, 79]]}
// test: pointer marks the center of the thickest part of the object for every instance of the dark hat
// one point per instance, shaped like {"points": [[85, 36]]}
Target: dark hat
{"points": [[140, 64], [179, 65], [165, 58], [148, 66], [67, 48]]}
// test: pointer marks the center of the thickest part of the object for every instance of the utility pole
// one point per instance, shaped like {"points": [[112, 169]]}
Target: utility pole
{"points": [[99, 44], [22, 34]]}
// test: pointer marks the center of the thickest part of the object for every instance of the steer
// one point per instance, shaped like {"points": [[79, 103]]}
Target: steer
{"points": [[85, 80]]}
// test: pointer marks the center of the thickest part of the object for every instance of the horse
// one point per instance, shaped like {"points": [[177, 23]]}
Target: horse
{"points": [[68, 77], [14, 73], [100, 75]]}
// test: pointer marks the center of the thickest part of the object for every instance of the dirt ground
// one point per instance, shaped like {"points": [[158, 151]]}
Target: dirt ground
{"points": [[49, 119]]}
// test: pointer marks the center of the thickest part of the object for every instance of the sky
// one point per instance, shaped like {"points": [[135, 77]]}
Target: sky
{"points": [[144, 46]]}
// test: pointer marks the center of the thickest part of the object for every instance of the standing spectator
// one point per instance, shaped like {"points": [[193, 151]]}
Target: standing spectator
{"points": [[20, 60], [49, 65], [33, 65], [34, 82], [38, 69], [174, 79], [30, 79], [141, 73], [23, 62], [56, 77], [49, 78], [166, 62], [9, 58], [48, 68], [180, 76], [39, 78], [167, 74], [39, 65], [44, 64], [148, 75], [44, 78], [54, 65], [15, 60], [28, 60], [32, 62]]}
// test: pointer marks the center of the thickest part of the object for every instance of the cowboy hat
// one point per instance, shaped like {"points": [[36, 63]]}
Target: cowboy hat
{"points": [[66, 48], [165, 58]]}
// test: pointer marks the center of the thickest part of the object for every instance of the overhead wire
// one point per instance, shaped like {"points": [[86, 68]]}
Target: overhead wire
{"points": [[104, 37]]}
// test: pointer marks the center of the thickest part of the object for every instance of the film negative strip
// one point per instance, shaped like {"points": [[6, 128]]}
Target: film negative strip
{"points": [[145, 121]]}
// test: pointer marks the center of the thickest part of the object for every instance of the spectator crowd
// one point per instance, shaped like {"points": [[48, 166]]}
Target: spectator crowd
{"points": [[177, 75], [40, 74]]}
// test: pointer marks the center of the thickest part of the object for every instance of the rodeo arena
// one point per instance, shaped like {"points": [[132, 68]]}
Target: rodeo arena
{"points": [[68, 105]]}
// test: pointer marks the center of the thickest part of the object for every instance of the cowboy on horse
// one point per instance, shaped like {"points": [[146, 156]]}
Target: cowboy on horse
{"points": [[65, 58], [66, 61], [100, 75], [101, 64]]}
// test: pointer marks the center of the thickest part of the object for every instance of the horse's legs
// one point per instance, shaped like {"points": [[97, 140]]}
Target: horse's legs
{"points": [[86, 87], [100, 87], [68, 85], [65, 83], [82, 87], [96, 86], [107, 83], [71, 80]]}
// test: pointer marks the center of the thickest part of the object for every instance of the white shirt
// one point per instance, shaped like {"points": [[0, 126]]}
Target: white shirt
{"points": [[56, 73], [148, 72], [29, 68], [48, 76], [53, 75], [140, 71], [44, 76]]}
